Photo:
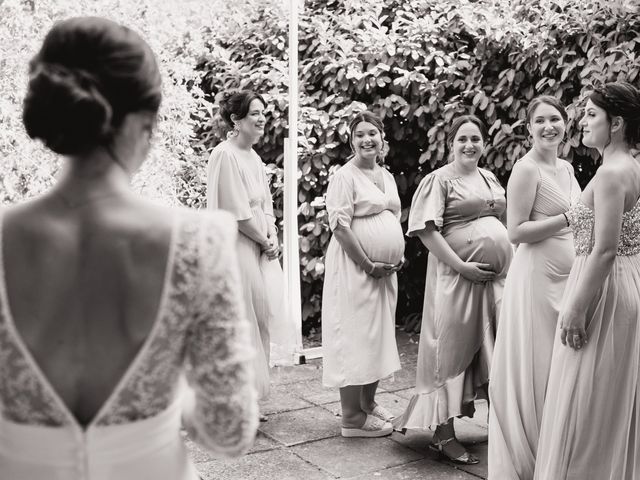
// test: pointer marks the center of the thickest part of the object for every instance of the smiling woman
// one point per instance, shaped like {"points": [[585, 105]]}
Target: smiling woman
{"points": [[237, 182], [360, 285], [541, 189], [455, 213]]}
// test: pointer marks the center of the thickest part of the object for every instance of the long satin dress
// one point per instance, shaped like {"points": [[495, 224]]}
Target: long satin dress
{"points": [[459, 316], [591, 421], [524, 342], [358, 310]]}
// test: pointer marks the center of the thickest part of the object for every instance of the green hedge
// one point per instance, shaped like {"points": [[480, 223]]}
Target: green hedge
{"points": [[416, 64]]}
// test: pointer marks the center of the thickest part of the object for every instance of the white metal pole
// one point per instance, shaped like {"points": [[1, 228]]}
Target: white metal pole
{"points": [[290, 204]]}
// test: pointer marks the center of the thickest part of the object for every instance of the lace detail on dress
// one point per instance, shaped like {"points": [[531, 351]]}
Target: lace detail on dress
{"points": [[22, 395], [200, 330], [581, 218], [219, 355]]}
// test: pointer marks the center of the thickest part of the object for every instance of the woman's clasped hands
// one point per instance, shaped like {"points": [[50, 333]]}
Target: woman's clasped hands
{"points": [[271, 247], [477, 272], [382, 269]]}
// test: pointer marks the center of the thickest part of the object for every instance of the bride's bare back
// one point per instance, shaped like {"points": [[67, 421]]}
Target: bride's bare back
{"points": [[84, 287]]}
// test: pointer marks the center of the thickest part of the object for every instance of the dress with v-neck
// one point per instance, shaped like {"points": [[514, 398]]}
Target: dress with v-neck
{"points": [[200, 333], [358, 310], [526, 333], [459, 316]]}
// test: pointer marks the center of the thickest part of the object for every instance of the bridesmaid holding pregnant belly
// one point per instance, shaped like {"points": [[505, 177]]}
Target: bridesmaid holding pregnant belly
{"points": [[360, 285], [455, 212]]}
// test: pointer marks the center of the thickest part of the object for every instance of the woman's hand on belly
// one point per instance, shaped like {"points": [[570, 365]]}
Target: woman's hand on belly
{"points": [[477, 272]]}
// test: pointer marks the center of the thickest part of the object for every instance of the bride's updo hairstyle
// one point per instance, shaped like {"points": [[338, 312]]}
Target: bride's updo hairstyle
{"points": [[88, 75]]}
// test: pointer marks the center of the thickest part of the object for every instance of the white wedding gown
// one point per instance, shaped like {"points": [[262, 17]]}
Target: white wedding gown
{"points": [[200, 334]]}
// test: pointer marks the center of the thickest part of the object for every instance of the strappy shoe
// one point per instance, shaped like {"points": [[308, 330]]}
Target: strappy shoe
{"points": [[466, 458], [382, 413], [373, 427]]}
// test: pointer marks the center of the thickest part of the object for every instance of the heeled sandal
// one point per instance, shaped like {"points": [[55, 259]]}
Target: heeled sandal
{"points": [[466, 458]]}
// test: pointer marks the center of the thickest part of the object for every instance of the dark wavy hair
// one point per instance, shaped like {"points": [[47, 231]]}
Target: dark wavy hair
{"points": [[461, 120], [547, 100], [237, 103], [88, 75], [620, 99]]}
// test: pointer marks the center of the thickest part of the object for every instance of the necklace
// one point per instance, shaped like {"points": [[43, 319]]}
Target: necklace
{"points": [[373, 175], [490, 203]]}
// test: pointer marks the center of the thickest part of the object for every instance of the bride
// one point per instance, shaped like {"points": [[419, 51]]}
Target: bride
{"points": [[108, 301]]}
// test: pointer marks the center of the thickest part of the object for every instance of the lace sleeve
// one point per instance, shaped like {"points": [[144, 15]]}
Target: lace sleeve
{"points": [[221, 408]]}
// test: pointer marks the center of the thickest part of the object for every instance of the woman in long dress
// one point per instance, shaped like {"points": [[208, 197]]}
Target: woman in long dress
{"points": [[455, 212], [360, 286], [107, 300], [591, 423], [541, 189], [237, 183]]}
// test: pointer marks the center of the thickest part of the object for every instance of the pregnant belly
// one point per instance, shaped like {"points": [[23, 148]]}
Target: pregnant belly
{"points": [[380, 236], [483, 240]]}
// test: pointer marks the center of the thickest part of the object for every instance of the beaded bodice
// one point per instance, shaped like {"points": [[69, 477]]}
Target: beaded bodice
{"points": [[581, 219]]}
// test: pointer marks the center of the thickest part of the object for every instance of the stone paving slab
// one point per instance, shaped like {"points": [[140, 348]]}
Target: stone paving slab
{"points": [[348, 457], [280, 464], [199, 455], [282, 399], [420, 470], [291, 428], [313, 391], [301, 439]]}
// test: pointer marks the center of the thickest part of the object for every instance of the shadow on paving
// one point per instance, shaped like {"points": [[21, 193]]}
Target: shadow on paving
{"points": [[301, 439]]}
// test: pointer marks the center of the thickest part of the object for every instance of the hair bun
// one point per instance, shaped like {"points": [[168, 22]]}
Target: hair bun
{"points": [[65, 109]]}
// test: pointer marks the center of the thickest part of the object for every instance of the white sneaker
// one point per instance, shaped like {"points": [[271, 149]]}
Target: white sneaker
{"points": [[382, 413], [373, 427]]}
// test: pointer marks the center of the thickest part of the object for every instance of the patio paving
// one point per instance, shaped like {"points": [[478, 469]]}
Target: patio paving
{"points": [[301, 439]]}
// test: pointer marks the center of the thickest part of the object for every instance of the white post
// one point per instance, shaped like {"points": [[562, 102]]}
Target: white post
{"points": [[290, 203]]}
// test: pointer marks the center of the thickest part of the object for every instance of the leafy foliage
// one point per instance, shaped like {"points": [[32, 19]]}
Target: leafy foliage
{"points": [[417, 64], [176, 33]]}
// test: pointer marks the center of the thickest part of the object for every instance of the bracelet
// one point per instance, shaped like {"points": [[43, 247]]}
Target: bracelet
{"points": [[373, 267], [364, 260], [566, 218]]}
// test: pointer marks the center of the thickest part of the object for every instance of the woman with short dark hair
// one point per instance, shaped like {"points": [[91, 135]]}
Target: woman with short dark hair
{"points": [[237, 183]]}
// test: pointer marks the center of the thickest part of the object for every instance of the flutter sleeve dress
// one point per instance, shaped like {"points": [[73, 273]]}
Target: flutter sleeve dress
{"points": [[236, 183], [459, 317], [358, 310]]}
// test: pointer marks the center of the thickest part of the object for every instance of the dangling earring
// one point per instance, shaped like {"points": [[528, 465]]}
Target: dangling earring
{"points": [[233, 133]]}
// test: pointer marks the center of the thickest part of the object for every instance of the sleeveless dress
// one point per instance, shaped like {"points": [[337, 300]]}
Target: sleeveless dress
{"points": [[524, 341], [358, 310], [239, 185], [459, 317], [591, 421], [200, 334]]}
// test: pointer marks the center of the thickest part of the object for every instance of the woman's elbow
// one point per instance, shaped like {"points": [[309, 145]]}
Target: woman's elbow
{"points": [[605, 254], [514, 235]]}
